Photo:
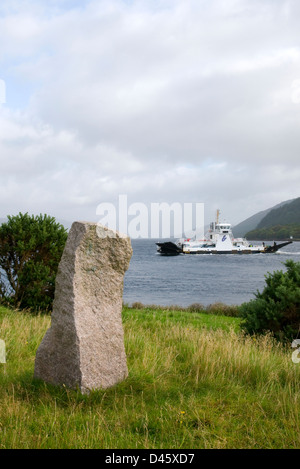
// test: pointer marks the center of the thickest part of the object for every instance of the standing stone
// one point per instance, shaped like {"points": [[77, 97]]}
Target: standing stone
{"points": [[84, 347]]}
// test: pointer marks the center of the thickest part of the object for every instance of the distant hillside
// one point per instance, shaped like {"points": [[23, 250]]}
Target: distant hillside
{"points": [[279, 224], [249, 224], [275, 233], [287, 214], [252, 222]]}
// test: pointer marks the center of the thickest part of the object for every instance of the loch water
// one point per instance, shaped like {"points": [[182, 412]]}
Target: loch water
{"points": [[204, 278]]}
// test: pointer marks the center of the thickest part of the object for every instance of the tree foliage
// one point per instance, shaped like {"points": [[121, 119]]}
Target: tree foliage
{"points": [[30, 251], [277, 307], [277, 232]]}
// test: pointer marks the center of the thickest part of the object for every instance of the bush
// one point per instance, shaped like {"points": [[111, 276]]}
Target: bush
{"points": [[222, 309], [30, 251], [277, 307], [195, 308]]}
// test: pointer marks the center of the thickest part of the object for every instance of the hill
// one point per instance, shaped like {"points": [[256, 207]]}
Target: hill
{"points": [[288, 214], [252, 222], [276, 233], [249, 224], [280, 223]]}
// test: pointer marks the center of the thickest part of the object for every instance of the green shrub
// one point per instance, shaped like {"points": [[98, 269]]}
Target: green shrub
{"points": [[30, 251], [277, 307]]}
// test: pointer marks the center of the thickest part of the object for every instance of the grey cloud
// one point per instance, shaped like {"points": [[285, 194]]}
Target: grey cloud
{"points": [[167, 102]]}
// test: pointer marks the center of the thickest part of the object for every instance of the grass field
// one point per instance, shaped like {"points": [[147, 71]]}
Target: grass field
{"points": [[194, 382]]}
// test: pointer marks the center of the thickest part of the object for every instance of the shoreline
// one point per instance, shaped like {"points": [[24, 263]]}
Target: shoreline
{"points": [[217, 308]]}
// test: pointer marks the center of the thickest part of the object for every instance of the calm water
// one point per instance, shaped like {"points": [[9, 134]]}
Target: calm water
{"points": [[205, 279]]}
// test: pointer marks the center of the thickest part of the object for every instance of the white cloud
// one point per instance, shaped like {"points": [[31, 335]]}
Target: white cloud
{"points": [[166, 100]]}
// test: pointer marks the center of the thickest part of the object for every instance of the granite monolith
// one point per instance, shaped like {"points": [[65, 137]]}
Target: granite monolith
{"points": [[84, 346]]}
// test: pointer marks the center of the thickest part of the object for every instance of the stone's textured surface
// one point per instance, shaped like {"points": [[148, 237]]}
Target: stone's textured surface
{"points": [[84, 347]]}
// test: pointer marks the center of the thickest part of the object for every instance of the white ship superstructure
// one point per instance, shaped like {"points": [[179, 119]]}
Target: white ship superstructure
{"points": [[218, 240]]}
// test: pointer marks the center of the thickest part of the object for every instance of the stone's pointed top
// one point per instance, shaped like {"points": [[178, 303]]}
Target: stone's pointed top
{"points": [[84, 347], [102, 231]]}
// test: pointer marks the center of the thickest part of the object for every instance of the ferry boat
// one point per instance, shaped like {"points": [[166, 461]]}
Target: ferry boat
{"points": [[218, 240]]}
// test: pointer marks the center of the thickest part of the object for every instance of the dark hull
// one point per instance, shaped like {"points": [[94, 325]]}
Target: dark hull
{"points": [[276, 247], [241, 253], [169, 249]]}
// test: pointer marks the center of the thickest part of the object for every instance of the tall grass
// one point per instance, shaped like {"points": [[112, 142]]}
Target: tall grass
{"points": [[194, 382]]}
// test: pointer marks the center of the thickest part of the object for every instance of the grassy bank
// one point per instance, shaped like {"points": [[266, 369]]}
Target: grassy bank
{"points": [[194, 382]]}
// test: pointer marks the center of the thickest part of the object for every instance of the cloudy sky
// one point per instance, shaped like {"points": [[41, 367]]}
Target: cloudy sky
{"points": [[161, 100]]}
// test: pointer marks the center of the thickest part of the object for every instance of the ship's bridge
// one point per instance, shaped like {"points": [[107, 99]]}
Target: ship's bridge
{"points": [[224, 227]]}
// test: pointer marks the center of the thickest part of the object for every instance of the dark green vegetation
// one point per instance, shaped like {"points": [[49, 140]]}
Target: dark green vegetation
{"points": [[277, 223], [277, 233], [252, 222], [195, 381], [277, 307], [287, 214], [30, 251]]}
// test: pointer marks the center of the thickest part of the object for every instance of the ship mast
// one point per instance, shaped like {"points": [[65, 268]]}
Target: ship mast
{"points": [[217, 218]]}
